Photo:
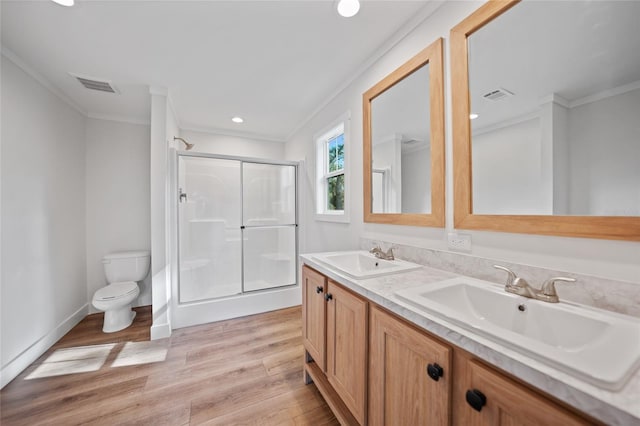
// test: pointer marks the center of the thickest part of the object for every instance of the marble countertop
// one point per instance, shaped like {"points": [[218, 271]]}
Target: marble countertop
{"points": [[613, 408]]}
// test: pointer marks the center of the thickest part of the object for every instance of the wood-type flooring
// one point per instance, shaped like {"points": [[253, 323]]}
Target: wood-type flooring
{"points": [[244, 371]]}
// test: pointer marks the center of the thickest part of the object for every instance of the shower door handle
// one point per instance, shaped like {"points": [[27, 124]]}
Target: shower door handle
{"points": [[183, 196]]}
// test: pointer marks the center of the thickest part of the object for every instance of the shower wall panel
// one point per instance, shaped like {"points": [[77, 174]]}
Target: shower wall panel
{"points": [[210, 235]]}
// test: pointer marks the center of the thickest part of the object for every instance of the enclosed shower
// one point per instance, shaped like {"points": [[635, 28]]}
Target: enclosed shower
{"points": [[236, 235]]}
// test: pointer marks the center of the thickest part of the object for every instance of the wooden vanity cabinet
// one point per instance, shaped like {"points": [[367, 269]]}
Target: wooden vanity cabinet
{"points": [[335, 340], [347, 348], [375, 368], [501, 401], [314, 289], [409, 374]]}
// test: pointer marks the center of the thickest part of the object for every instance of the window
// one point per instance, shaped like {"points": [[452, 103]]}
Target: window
{"points": [[331, 187], [334, 172]]}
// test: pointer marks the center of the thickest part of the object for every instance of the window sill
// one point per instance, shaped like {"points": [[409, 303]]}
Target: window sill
{"points": [[337, 218]]}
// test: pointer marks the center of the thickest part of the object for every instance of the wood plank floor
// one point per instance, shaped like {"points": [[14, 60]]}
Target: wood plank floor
{"points": [[245, 371]]}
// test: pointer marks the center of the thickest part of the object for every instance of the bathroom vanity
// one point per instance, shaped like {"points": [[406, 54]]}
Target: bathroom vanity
{"points": [[378, 360]]}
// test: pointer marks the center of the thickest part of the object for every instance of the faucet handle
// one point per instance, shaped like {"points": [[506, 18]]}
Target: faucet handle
{"points": [[389, 254], [511, 278], [548, 289]]}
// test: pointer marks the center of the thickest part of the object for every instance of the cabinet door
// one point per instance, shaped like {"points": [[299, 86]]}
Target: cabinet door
{"points": [[401, 392], [347, 347], [509, 403], [314, 287]]}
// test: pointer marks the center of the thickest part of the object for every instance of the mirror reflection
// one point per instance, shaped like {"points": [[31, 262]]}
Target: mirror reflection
{"points": [[401, 150], [555, 102]]}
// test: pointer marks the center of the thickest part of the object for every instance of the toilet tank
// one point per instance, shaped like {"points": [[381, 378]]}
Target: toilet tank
{"points": [[126, 266]]}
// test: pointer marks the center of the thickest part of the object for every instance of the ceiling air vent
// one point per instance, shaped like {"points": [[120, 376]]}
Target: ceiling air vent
{"points": [[95, 84], [498, 94]]}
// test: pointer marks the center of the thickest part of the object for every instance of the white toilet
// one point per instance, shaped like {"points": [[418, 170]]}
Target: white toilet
{"points": [[123, 270]]}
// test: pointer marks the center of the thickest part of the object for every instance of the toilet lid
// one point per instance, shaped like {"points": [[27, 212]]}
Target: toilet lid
{"points": [[116, 290]]}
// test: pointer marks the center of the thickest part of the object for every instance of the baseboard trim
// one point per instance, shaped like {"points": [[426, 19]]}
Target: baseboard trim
{"points": [[160, 331], [33, 352]]}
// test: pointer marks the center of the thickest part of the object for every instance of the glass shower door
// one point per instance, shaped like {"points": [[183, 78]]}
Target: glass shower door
{"points": [[209, 228], [269, 225]]}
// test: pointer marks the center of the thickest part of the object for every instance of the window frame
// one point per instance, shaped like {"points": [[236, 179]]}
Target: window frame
{"points": [[341, 125]]}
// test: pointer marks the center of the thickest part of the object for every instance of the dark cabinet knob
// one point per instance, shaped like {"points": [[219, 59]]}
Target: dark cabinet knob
{"points": [[435, 371], [328, 297], [476, 399], [319, 289]]}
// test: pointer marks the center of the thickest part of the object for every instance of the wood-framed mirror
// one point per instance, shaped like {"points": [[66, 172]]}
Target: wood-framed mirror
{"points": [[545, 119], [403, 144]]}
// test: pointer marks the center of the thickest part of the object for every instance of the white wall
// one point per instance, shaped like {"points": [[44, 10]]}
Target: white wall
{"points": [[387, 156], [508, 171], [117, 197], [581, 160], [163, 128], [610, 259], [316, 235], [416, 180], [212, 143], [43, 285], [605, 162]]}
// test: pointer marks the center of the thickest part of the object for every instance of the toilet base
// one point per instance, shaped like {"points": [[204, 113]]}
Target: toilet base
{"points": [[118, 319]]}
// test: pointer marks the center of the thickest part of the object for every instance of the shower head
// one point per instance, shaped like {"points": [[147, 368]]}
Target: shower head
{"points": [[188, 145]]}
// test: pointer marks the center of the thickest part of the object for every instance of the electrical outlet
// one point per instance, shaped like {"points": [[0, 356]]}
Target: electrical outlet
{"points": [[459, 242]]}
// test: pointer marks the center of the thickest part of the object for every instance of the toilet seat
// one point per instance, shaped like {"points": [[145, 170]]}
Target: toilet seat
{"points": [[116, 291]]}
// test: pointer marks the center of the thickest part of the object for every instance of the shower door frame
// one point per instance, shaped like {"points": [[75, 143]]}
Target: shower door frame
{"points": [[178, 319]]}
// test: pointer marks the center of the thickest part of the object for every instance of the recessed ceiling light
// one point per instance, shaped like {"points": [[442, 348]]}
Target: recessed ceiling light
{"points": [[64, 2], [237, 119], [473, 116], [348, 8]]}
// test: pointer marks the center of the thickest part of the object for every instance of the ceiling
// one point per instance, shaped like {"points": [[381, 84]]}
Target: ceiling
{"points": [[403, 111], [271, 62], [572, 49]]}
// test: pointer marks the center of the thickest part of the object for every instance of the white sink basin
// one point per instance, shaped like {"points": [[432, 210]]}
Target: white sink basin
{"points": [[362, 264], [594, 345]]}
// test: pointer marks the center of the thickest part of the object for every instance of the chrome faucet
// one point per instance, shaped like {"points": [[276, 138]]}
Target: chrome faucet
{"points": [[516, 284], [380, 254], [521, 287], [548, 290]]}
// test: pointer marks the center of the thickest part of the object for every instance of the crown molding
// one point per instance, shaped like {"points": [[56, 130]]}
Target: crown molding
{"points": [[118, 118], [224, 132], [16, 60], [605, 94], [343, 119], [404, 30], [533, 115], [556, 99], [398, 36]]}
